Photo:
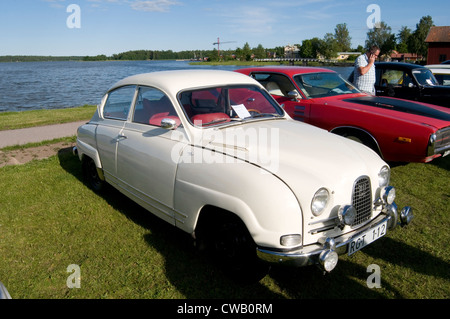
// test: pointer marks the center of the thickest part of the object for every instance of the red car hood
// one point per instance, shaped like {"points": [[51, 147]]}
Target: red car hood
{"points": [[402, 109]]}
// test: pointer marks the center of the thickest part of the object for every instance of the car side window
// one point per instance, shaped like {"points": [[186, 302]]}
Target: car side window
{"points": [[394, 78], [119, 102], [275, 84], [152, 106]]}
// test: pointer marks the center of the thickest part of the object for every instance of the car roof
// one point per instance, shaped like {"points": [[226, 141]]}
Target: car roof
{"points": [[289, 70], [178, 80], [399, 65]]}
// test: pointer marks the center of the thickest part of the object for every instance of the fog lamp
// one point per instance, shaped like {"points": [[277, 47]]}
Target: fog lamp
{"points": [[328, 260], [347, 215], [406, 215], [388, 194], [291, 240]]}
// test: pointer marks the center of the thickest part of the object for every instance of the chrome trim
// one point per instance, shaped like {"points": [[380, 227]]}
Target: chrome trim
{"points": [[309, 255]]}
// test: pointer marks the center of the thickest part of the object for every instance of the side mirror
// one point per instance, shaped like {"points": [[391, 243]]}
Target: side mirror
{"points": [[168, 124], [293, 95]]}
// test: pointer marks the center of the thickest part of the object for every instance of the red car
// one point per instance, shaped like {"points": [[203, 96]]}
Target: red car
{"points": [[398, 130]]}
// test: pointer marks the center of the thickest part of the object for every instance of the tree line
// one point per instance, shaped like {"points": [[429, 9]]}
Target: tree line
{"points": [[406, 41]]}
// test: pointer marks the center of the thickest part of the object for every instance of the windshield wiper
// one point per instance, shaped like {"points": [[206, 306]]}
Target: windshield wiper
{"points": [[266, 115]]}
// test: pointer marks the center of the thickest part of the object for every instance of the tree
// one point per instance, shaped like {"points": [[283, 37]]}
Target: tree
{"points": [[382, 37], [416, 42], [310, 48], [342, 37], [329, 46], [260, 52], [402, 39]]}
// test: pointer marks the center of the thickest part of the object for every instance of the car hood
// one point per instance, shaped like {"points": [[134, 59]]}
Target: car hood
{"points": [[296, 152], [404, 106]]}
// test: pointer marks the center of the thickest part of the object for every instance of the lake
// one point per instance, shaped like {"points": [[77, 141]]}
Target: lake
{"points": [[52, 85]]}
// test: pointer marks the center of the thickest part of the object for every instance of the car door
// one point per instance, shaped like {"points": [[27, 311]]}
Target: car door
{"points": [[280, 87], [115, 113], [146, 162], [396, 83]]}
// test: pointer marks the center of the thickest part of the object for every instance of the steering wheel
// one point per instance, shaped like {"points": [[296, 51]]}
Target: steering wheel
{"points": [[253, 112]]}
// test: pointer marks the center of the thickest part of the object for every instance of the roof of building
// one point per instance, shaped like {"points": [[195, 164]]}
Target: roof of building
{"points": [[439, 34]]}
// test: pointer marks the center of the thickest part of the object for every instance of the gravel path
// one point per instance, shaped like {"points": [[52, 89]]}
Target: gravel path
{"points": [[38, 134]]}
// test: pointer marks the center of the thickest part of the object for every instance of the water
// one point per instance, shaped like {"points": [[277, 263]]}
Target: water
{"points": [[54, 85]]}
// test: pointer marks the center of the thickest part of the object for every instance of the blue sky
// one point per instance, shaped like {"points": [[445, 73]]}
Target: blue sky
{"points": [[39, 27]]}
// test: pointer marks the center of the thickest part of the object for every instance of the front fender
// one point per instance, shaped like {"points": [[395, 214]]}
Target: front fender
{"points": [[265, 204]]}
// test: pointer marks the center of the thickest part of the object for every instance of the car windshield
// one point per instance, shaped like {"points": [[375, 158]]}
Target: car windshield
{"points": [[221, 105], [315, 85], [424, 77]]}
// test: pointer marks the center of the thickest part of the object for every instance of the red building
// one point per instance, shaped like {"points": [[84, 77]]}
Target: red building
{"points": [[438, 40]]}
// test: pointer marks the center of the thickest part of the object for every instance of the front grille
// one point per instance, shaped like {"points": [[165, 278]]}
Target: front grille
{"points": [[362, 200], [442, 140]]}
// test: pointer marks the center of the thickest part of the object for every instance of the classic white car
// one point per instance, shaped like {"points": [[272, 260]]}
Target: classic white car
{"points": [[212, 153]]}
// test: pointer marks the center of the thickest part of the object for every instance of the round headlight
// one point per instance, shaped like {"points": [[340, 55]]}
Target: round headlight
{"points": [[384, 176], [388, 194], [347, 215], [319, 201], [328, 259]]}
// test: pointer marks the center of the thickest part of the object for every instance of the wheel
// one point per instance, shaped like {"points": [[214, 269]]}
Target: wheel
{"points": [[231, 246], [91, 176]]}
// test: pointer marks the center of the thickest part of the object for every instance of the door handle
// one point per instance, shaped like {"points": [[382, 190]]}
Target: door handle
{"points": [[121, 137]]}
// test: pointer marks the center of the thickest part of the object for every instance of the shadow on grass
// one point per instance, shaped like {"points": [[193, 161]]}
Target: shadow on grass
{"points": [[196, 277]]}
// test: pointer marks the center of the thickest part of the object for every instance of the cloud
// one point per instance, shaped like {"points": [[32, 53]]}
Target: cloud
{"points": [[153, 5], [251, 20]]}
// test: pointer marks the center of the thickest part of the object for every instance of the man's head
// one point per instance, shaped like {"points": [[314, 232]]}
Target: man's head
{"points": [[373, 50]]}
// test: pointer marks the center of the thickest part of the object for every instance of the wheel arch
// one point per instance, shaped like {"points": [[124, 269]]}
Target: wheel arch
{"points": [[365, 137]]}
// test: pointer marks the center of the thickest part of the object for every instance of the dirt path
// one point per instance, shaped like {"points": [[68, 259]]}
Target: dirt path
{"points": [[23, 156]]}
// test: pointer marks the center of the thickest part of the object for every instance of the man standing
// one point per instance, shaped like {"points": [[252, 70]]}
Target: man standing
{"points": [[364, 73]]}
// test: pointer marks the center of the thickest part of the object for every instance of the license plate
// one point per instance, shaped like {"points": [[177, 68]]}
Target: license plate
{"points": [[366, 238], [446, 153]]}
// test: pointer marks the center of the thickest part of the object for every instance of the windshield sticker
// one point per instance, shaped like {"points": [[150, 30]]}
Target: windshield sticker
{"points": [[241, 111]]}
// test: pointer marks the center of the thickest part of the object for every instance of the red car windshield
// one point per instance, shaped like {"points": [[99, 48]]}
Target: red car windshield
{"points": [[317, 85]]}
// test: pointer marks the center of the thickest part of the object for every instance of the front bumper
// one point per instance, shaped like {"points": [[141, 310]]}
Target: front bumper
{"points": [[314, 254]]}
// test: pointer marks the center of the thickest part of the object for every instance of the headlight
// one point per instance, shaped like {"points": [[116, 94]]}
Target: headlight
{"points": [[347, 215], [384, 176], [319, 201], [388, 194]]}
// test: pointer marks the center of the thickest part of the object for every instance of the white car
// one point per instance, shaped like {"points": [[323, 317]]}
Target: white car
{"points": [[441, 73], [212, 153]]}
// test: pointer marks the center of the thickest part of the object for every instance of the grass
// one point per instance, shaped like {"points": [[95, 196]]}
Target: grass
{"points": [[16, 120], [49, 220]]}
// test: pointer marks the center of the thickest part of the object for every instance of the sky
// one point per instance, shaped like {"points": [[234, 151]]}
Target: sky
{"points": [[94, 27]]}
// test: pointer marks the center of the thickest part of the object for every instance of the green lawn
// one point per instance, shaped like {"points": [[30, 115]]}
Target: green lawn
{"points": [[16, 120], [49, 220]]}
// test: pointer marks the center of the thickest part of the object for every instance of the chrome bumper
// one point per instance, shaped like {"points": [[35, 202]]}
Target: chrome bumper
{"points": [[312, 254]]}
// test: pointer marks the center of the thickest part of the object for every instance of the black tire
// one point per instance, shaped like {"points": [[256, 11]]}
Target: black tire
{"points": [[91, 176], [228, 241]]}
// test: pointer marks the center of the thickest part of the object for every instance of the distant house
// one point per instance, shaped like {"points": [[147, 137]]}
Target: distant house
{"points": [[401, 57], [438, 40], [341, 56], [291, 51]]}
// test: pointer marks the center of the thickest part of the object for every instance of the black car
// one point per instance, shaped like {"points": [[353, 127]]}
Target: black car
{"points": [[410, 82]]}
